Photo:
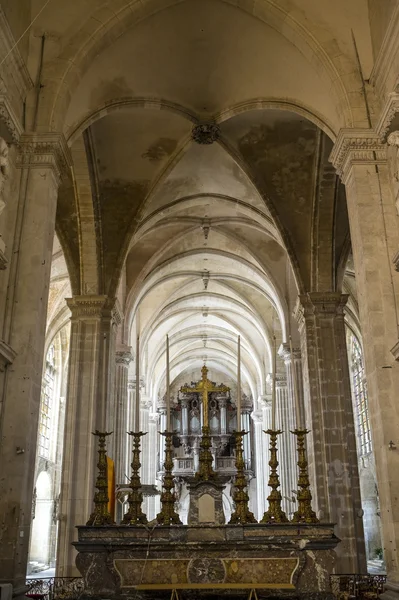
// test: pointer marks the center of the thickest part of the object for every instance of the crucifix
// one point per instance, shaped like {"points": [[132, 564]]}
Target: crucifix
{"points": [[205, 387]]}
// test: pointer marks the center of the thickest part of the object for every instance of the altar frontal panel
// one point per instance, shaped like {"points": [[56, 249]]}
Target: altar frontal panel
{"points": [[207, 573]]}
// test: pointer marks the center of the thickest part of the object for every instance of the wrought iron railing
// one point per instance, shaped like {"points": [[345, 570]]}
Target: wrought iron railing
{"points": [[350, 586], [54, 588]]}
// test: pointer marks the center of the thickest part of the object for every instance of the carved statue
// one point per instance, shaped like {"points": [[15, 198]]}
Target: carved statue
{"points": [[393, 140], [4, 163]]}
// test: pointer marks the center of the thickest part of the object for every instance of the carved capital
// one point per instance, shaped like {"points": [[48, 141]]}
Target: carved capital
{"points": [[257, 416], [45, 151], [285, 353], [123, 357], [94, 307], [357, 146], [281, 381], [322, 304]]}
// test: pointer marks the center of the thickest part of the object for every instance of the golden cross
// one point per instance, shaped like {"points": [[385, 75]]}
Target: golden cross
{"points": [[204, 387]]}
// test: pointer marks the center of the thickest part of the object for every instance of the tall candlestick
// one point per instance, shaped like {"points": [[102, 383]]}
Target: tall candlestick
{"points": [[274, 385], [167, 386], [239, 384], [295, 388], [137, 415]]}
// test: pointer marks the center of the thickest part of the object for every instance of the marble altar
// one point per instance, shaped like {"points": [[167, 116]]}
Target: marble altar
{"points": [[278, 561]]}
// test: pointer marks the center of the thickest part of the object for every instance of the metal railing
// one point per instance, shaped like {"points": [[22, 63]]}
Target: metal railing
{"points": [[54, 588], [352, 585]]}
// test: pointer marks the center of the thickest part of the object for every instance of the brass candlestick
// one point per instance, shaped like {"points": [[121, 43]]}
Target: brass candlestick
{"points": [[206, 472], [135, 515], [275, 514], [100, 515], [168, 515], [242, 514], [304, 514]]}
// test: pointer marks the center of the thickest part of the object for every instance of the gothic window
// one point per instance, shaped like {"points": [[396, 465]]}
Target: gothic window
{"points": [[360, 396], [46, 404]]}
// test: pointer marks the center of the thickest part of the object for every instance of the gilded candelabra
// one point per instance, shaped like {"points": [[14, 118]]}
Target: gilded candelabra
{"points": [[135, 515], [101, 514], [305, 513], [241, 514], [205, 471], [275, 513], [168, 515]]}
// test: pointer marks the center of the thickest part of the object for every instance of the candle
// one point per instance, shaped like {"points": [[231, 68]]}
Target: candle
{"points": [[137, 415], [239, 385], [295, 388], [274, 385], [167, 386]]}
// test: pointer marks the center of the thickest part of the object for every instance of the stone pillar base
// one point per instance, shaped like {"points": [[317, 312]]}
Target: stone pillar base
{"points": [[391, 591]]}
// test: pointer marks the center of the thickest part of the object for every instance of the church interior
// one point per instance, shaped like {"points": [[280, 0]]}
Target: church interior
{"points": [[199, 299]]}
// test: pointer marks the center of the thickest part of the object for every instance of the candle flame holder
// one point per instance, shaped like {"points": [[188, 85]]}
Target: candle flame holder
{"points": [[135, 515], [168, 515], [101, 515], [305, 513], [275, 514], [205, 472], [241, 514]]}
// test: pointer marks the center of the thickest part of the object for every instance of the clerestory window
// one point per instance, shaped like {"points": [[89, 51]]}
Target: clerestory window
{"points": [[360, 396], [46, 404]]}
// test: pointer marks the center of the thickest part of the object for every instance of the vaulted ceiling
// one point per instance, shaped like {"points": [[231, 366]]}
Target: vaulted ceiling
{"points": [[203, 241]]}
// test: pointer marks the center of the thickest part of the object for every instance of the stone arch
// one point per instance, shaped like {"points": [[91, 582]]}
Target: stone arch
{"points": [[104, 25]]}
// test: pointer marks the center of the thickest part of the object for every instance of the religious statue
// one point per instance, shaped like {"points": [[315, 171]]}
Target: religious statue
{"points": [[4, 163]]}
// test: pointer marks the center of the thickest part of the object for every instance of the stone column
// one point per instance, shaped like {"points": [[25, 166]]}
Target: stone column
{"points": [[329, 416], [294, 361], [287, 456], [361, 160], [152, 503], [222, 402], [261, 418], [184, 416], [246, 426], [162, 427], [121, 424], [43, 161], [90, 395]]}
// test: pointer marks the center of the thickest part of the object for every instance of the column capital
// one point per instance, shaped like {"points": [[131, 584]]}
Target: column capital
{"points": [[94, 307], [123, 355], [257, 416], [320, 303], [45, 151], [357, 146], [285, 353]]}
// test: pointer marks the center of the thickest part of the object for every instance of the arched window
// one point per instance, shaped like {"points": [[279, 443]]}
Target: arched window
{"points": [[46, 404], [360, 396]]}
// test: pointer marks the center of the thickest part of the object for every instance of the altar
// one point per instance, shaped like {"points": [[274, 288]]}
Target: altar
{"points": [[275, 558], [277, 561]]}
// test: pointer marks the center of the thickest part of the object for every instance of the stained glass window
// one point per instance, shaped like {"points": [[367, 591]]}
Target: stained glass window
{"points": [[46, 404], [360, 396]]}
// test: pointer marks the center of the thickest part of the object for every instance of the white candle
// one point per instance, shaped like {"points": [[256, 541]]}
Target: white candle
{"points": [[295, 388], [137, 415], [274, 385], [167, 386], [239, 385]]}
